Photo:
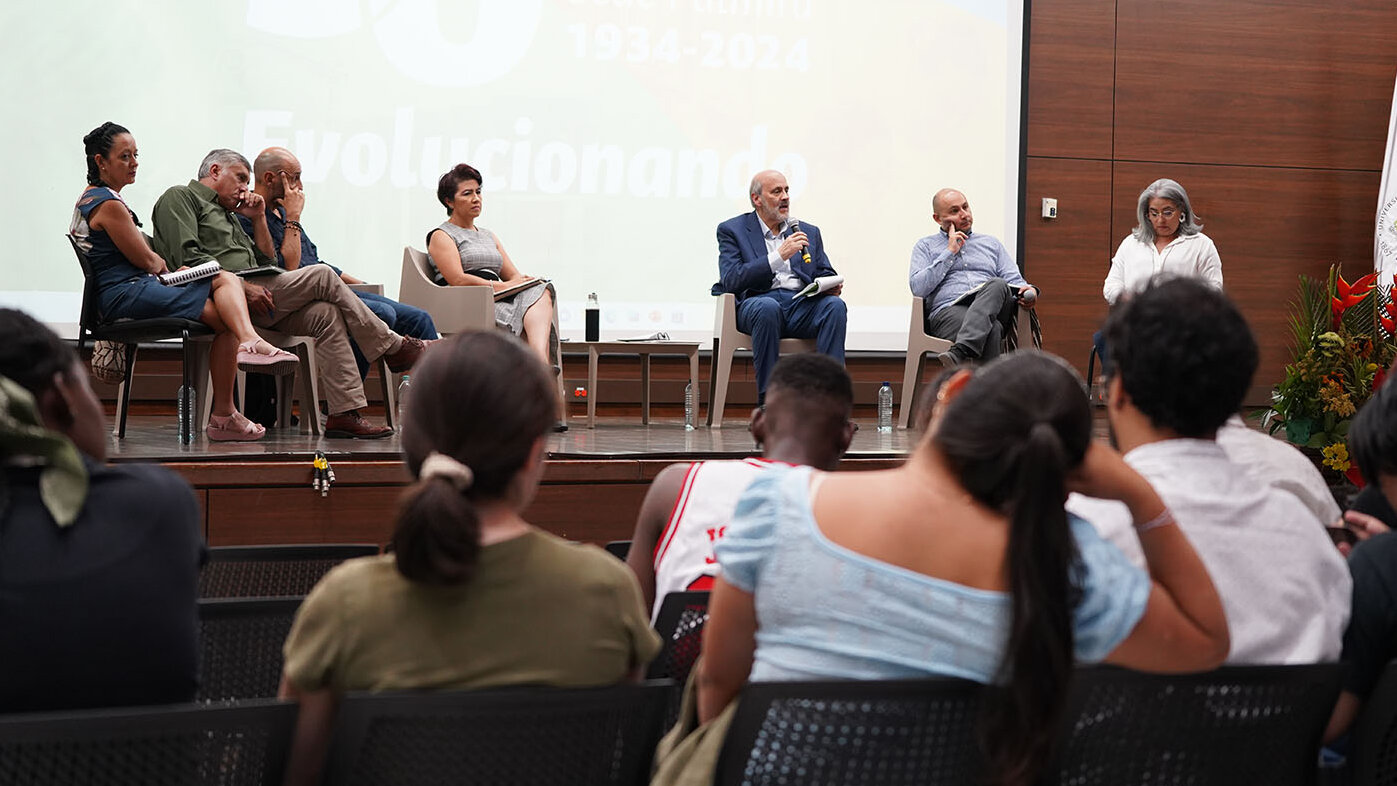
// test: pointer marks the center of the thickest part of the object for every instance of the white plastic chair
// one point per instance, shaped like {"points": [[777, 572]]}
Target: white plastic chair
{"points": [[727, 339]]}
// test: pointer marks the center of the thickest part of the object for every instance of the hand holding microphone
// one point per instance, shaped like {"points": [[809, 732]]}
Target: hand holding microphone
{"points": [[804, 245]]}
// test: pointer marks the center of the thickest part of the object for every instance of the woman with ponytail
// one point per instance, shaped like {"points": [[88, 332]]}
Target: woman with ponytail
{"points": [[470, 594], [125, 269], [961, 563]]}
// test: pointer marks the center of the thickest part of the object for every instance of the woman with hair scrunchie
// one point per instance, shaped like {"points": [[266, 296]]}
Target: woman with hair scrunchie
{"points": [[470, 594]]}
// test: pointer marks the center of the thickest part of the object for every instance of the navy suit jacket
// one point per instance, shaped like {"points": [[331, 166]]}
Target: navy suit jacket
{"points": [[742, 266]]}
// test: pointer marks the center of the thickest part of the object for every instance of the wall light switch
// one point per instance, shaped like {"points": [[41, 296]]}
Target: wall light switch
{"points": [[1049, 208]]}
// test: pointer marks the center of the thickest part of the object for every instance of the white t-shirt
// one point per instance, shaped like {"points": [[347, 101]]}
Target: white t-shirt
{"points": [[1137, 263], [1284, 586]]}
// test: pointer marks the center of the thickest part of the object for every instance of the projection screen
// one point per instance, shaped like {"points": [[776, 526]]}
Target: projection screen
{"points": [[614, 135]]}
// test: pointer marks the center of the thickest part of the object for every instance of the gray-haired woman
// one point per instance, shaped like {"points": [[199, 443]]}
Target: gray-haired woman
{"points": [[1167, 241]]}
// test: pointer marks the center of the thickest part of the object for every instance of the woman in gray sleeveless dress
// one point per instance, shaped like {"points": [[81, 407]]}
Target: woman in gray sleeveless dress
{"points": [[463, 254]]}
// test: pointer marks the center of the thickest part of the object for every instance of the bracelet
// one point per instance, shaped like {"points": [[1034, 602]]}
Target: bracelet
{"points": [[1164, 518], [296, 225]]}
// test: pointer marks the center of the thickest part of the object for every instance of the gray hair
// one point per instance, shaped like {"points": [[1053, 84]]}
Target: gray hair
{"points": [[224, 158], [1164, 188]]}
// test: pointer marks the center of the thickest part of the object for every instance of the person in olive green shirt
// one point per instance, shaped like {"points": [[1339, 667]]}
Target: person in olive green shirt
{"points": [[471, 595], [198, 222]]}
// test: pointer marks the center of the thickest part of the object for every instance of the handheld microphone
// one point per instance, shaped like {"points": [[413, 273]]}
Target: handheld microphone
{"points": [[804, 250]]}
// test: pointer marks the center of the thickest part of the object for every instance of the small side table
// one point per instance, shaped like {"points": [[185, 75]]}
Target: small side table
{"points": [[595, 349]]}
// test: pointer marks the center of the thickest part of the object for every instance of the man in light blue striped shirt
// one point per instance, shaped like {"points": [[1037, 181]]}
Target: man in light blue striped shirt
{"points": [[969, 281]]}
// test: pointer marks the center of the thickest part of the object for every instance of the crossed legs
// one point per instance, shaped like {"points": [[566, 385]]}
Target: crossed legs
{"points": [[976, 328], [226, 312]]}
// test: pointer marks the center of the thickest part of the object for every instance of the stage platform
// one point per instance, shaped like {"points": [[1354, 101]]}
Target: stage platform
{"points": [[260, 492]]}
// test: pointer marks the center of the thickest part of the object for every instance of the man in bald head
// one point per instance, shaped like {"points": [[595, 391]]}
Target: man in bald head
{"points": [[278, 180], [969, 282], [764, 259]]}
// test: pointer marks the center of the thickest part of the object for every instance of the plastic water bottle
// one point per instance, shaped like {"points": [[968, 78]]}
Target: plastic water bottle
{"points": [[184, 409], [593, 317], [689, 407], [885, 408], [403, 388]]}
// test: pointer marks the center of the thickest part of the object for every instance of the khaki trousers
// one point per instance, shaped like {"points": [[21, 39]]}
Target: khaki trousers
{"points": [[313, 301]]}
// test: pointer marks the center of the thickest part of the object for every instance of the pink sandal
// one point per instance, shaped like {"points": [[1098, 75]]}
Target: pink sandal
{"points": [[259, 356], [234, 428]]}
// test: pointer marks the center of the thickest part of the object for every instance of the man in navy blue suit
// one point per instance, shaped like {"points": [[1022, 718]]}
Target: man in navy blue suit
{"points": [[764, 263]]}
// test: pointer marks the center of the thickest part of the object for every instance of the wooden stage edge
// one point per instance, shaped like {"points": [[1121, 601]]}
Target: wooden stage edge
{"points": [[592, 488]]}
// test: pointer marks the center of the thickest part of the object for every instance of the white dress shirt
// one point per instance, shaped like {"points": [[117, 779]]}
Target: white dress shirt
{"points": [[1285, 588], [1138, 263], [1279, 464], [782, 277]]}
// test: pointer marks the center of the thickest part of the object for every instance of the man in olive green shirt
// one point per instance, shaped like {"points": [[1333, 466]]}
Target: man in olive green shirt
{"points": [[199, 221]]}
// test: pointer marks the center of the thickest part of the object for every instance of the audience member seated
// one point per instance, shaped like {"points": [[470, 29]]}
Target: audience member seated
{"points": [[99, 565], [1181, 361], [961, 563], [277, 172], [462, 254], [1370, 642], [764, 258], [1279, 464], [124, 270], [688, 508], [471, 595], [197, 222], [969, 282]]}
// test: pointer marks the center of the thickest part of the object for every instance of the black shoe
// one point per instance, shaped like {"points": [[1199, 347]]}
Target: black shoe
{"points": [[952, 357], [560, 427]]}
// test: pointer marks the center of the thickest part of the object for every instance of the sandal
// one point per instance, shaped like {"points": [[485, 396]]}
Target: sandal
{"points": [[234, 428], [259, 356]]}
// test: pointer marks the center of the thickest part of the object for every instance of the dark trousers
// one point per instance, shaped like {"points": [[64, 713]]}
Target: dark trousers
{"points": [[977, 327], [771, 316]]}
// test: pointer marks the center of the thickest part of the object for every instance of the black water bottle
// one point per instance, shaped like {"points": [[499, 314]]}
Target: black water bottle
{"points": [[593, 314]]}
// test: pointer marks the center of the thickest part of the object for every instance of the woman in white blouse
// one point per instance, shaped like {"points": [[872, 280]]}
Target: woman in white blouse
{"points": [[1166, 242]]}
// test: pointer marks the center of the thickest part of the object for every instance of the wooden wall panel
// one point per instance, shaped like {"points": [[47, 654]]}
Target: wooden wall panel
{"points": [[1070, 79], [1254, 82], [1270, 225], [1069, 256]]}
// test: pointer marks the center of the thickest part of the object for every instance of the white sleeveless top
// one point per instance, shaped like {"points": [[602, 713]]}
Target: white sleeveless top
{"points": [[683, 556]]}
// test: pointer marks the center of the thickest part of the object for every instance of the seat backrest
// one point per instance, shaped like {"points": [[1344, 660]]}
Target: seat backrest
{"points": [[587, 737], [1250, 724], [1257, 724], [453, 309], [893, 733], [725, 315], [273, 571], [88, 318], [620, 549], [184, 745], [240, 644], [415, 268], [1375, 735], [680, 625]]}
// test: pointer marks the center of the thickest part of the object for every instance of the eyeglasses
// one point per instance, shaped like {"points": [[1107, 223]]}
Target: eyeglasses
{"points": [[1167, 213]]}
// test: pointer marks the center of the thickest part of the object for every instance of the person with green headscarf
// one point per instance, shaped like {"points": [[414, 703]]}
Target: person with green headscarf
{"points": [[99, 564]]}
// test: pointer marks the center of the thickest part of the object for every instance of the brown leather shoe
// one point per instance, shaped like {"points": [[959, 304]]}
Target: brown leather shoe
{"points": [[406, 355], [352, 425]]}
